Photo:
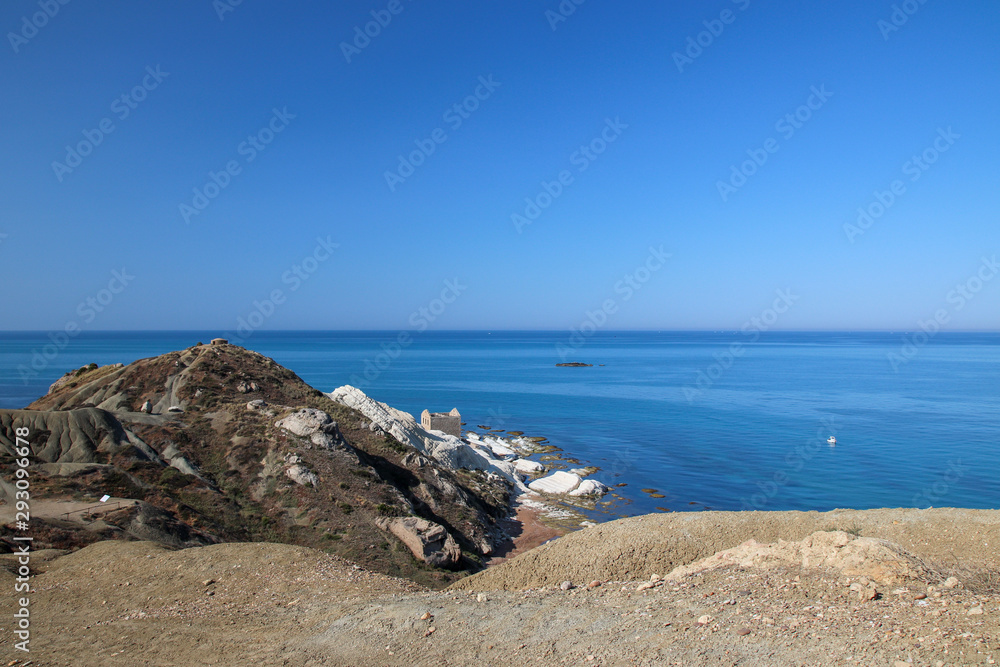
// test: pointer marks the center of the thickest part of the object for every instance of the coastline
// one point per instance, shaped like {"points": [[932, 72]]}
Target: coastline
{"points": [[547, 498], [526, 529]]}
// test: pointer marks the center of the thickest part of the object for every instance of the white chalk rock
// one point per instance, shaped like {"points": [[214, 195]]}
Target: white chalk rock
{"points": [[528, 467], [590, 487], [500, 448], [401, 425], [306, 421], [559, 482], [449, 450], [302, 475]]}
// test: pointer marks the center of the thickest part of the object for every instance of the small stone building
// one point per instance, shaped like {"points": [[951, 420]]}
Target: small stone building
{"points": [[449, 422]]}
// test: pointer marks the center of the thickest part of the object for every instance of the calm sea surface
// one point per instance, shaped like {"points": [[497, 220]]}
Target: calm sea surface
{"points": [[674, 412]]}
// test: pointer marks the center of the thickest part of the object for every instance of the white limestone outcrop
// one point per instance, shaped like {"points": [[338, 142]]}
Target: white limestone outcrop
{"points": [[490, 454], [450, 450], [590, 487], [559, 482], [528, 467]]}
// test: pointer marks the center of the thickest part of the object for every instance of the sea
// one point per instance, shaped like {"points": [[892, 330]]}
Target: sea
{"points": [[680, 420]]}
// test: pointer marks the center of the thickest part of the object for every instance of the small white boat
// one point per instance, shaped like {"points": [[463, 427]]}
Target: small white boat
{"points": [[831, 440]]}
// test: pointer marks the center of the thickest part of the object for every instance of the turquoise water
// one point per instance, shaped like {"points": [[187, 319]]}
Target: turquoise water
{"points": [[666, 411]]}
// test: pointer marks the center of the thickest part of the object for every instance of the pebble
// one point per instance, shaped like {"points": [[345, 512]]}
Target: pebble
{"points": [[865, 593], [645, 586], [427, 616], [975, 611], [704, 620], [594, 584], [920, 596], [951, 582], [208, 582], [743, 632], [566, 585]]}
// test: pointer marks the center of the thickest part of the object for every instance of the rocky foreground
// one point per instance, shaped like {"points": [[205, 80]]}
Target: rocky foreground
{"points": [[605, 595]]}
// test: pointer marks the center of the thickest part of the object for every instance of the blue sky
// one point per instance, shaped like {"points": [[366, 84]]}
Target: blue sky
{"points": [[668, 129]]}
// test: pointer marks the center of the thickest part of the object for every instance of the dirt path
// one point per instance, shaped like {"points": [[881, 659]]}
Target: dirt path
{"points": [[57, 509]]}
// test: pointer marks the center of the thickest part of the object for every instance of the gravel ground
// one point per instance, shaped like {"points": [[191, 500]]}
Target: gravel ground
{"points": [[136, 604]]}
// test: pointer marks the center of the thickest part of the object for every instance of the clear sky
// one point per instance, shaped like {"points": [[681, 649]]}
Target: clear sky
{"points": [[626, 124]]}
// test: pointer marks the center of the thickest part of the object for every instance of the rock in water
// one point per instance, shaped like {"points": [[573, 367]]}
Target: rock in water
{"points": [[557, 483], [589, 487], [528, 467], [428, 541]]}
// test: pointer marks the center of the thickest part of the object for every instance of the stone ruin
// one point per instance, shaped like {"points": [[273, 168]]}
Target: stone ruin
{"points": [[449, 422]]}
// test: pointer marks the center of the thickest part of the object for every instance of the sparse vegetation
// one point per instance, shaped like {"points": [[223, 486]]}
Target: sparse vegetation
{"points": [[228, 448]]}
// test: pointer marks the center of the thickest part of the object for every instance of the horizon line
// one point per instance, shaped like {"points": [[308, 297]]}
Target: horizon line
{"points": [[489, 331]]}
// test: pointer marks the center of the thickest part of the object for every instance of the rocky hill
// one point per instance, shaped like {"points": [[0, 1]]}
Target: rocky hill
{"points": [[216, 443]]}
